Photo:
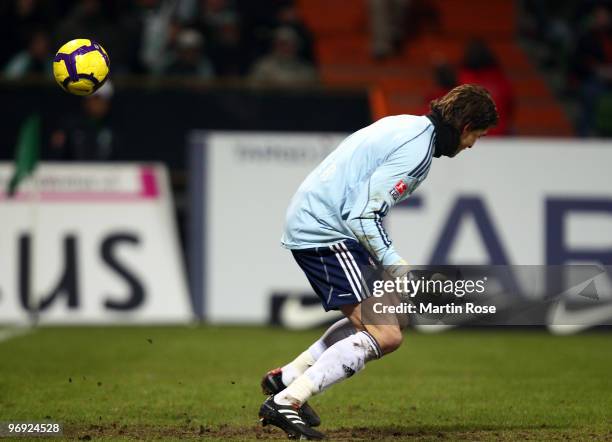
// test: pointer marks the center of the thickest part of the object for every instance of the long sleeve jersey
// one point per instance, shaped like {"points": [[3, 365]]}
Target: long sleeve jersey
{"points": [[348, 194]]}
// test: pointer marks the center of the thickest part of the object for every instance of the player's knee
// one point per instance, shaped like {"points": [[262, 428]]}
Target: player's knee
{"points": [[389, 339], [392, 341]]}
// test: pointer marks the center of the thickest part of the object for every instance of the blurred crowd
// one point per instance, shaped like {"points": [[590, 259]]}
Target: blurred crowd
{"points": [[574, 39], [267, 42], [264, 40], [478, 65]]}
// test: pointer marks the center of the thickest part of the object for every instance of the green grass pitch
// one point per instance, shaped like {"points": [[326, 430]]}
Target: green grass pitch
{"points": [[171, 383]]}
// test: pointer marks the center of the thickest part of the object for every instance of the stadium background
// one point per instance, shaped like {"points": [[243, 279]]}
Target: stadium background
{"points": [[159, 201]]}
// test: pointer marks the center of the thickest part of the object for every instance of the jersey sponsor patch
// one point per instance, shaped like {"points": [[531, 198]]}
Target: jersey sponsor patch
{"points": [[398, 190]]}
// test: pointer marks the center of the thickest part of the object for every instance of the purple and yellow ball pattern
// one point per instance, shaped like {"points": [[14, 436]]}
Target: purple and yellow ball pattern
{"points": [[81, 66]]}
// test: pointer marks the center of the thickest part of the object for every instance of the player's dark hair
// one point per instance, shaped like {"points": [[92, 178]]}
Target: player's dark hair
{"points": [[468, 104]]}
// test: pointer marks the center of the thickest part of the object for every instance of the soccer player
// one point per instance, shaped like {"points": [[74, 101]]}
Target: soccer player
{"points": [[334, 229]]}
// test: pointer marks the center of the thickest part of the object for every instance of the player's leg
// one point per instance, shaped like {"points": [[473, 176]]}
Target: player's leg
{"points": [[388, 335], [275, 381], [335, 274], [340, 361], [289, 372], [327, 271], [344, 358]]}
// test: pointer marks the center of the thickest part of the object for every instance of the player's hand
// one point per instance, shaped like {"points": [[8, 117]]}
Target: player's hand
{"points": [[398, 269]]}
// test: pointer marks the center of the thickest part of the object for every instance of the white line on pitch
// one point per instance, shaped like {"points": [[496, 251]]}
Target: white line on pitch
{"points": [[13, 332]]}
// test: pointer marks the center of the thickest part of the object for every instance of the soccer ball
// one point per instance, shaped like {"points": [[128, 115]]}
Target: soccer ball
{"points": [[81, 66]]}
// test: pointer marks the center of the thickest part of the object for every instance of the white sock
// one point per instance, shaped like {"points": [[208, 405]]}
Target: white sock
{"points": [[295, 368], [301, 389], [339, 330], [336, 332], [338, 362]]}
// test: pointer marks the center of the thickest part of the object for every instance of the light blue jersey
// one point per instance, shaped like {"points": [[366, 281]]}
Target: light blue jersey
{"points": [[348, 194]]}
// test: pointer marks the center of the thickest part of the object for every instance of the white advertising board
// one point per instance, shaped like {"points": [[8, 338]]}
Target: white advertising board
{"points": [[91, 244], [506, 201]]}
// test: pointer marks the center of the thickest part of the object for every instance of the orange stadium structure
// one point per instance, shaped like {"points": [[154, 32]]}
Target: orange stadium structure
{"points": [[398, 84]]}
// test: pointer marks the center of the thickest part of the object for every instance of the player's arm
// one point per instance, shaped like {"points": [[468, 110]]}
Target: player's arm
{"points": [[388, 184]]}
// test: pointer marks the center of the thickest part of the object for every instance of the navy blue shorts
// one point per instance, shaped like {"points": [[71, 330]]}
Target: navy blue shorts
{"points": [[338, 273]]}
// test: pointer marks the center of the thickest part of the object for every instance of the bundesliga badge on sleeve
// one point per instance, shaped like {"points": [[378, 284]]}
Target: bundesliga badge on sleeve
{"points": [[398, 190]]}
